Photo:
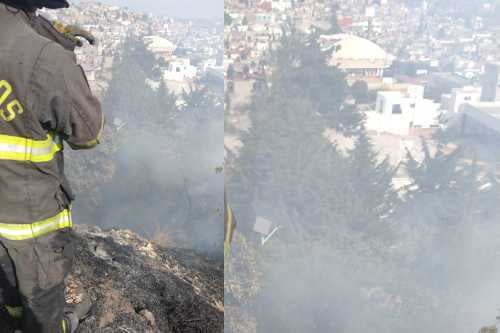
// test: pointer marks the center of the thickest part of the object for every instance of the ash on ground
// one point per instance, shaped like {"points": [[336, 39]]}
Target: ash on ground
{"points": [[139, 287]]}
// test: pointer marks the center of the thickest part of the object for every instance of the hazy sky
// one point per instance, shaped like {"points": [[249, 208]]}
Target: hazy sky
{"points": [[175, 8]]}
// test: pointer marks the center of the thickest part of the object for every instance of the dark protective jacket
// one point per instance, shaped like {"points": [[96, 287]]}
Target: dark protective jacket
{"points": [[44, 100]]}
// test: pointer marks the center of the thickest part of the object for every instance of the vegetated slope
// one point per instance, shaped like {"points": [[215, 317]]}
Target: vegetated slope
{"points": [[137, 286]]}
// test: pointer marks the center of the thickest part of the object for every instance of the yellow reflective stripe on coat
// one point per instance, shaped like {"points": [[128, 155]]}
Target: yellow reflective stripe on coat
{"points": [[15, 312], [37, 229], [15, 148], [64, 326], [229, 225]]}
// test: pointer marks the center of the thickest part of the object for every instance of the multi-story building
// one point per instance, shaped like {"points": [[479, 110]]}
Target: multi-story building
{"points": [[403, 112], [491, 83], [455, 101]]}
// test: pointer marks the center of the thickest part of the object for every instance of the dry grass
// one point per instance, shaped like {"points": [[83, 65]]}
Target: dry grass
{"points": [[488, 329], [161, 237]]}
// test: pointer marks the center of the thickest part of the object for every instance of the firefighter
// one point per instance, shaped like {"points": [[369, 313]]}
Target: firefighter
{"points": [[45, 100]]}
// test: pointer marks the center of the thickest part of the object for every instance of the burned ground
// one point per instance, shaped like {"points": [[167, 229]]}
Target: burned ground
{"points": [[137, 286]]}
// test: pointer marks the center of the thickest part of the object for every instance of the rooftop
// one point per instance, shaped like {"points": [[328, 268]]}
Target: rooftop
{"points": [[349, 48]]}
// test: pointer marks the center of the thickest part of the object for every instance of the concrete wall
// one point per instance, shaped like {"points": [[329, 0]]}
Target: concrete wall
{"points": [[398, 113], [461, 96]]}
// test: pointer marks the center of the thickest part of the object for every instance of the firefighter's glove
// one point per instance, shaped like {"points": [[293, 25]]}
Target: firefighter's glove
{"points": [[74, 33], [66, 36]]}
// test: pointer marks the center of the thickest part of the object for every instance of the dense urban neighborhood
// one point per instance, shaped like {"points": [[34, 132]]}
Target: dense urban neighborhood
{"points": [[186, 50], [418, 65], [362, 147], [285, 166]]}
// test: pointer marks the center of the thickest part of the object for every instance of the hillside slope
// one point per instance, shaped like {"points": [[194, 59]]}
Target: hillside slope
{"points": [[139, 287]]}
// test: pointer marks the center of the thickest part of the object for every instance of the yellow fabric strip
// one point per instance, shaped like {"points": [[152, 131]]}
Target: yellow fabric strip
{"points": [[15, 312], [64, 327], [229, 221], [37, 229], [94, 142], [14, 148]]}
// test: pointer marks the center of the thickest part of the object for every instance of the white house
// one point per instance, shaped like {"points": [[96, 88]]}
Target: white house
{"points": [[403, 113], [179, 69], [281, 5], [370, 11], [455, 101]]}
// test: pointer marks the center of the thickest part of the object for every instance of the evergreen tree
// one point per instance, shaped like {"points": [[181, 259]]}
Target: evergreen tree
{"points": [[228, 20], [302, 71], [334, 23], [359, 91], [198, 136], [286, 159], [443, 191], [371, 186], [230, 72], [332, 205], [129, 96], [167, 156], [167, 106]]}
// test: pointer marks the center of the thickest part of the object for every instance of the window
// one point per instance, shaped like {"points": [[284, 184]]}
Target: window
{"points": [[396, 109]]}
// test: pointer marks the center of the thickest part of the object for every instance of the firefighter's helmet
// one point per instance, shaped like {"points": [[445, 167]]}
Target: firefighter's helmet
{"points": [[34, 4]]}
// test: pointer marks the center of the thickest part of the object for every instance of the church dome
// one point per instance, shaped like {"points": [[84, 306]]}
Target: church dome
{"points": [[352, 52]]}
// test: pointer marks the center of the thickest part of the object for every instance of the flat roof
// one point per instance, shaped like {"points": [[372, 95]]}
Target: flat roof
{"points": [[491, 108], [485, 113]]}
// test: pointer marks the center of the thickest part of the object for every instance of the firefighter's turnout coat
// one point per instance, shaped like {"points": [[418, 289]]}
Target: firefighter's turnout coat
{"points": [[45, 100]]}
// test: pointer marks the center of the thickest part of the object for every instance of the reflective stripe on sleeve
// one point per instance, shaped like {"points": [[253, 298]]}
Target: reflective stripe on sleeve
{"points": [[229, 222], [15, 148], [64, 326], [37, 229], [15, 312]]}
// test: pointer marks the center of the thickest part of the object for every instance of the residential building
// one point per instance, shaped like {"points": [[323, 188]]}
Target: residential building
{"points": [[403, 113], [179, 69], [459, 97], [491, 83]]}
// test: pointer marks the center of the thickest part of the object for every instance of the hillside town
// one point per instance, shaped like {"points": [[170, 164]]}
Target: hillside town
{"points": [[424, 70], [186, 50]]}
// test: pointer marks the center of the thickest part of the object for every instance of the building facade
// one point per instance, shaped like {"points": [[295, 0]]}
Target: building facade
{"points": [[403, 113], [491, 83]]}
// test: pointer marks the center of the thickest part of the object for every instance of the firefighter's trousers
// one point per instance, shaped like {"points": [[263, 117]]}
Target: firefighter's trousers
{"points": [[32, 280]]}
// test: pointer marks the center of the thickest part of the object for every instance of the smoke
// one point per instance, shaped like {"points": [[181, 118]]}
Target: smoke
{"points": [[165, 181], [414, 285], [427, 264], [422, 280], [155, 172]]}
